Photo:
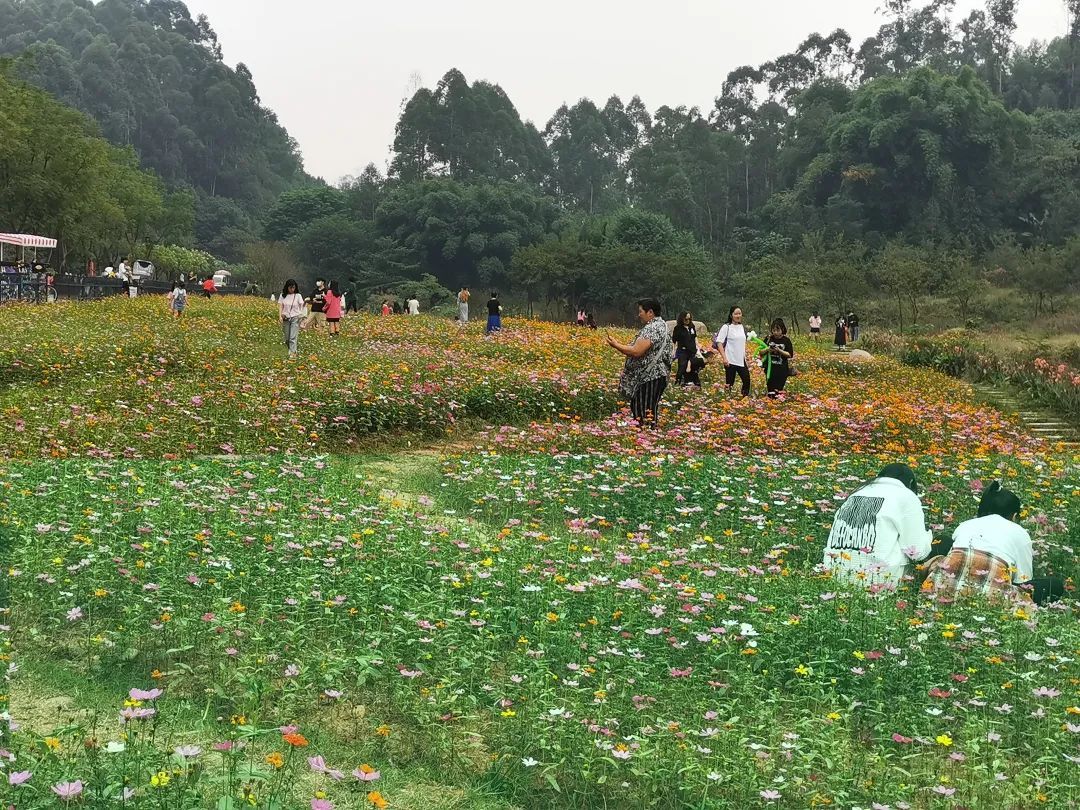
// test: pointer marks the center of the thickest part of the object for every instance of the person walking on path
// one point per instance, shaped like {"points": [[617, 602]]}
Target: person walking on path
{"points": [[494, 321], [333, 309], [840, 338], [209, 288], [731, 343], [291, 307], [778, 352], [648, 364], [463, 305], [815, 327], [853, 326], [178, 299], [318, 305], [686, 350]]}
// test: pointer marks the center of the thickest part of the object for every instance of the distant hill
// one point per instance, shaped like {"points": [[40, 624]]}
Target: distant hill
{"points": [[153, 78]]}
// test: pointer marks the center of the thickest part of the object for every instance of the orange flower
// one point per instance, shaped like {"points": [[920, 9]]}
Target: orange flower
{"points": [[275, 759], [377, 799], [295, 740]]}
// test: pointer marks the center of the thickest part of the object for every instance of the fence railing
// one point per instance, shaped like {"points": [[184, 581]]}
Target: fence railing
{"points": [[36, 288]]}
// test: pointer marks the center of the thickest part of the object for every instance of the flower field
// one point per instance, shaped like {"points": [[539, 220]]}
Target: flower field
{"points": [[556, 613]]}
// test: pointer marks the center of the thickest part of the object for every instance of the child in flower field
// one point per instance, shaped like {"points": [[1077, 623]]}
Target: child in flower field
{"points": [[333, 309], [178, 299], [780, 351], [991, 556]]}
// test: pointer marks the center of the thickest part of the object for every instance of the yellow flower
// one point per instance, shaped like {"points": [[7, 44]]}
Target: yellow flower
{"points": [[52, 743], [275, 760], [943, 739], [383, 730], [160, 779], [508, 713], [833, 716], [552, 617], [802, 669]]}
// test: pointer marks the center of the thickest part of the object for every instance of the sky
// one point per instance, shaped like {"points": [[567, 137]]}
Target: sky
{"points": [[337, 72]]}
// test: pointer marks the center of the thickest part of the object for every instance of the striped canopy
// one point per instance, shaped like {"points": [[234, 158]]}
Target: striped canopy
{"points": [[27, 240]]}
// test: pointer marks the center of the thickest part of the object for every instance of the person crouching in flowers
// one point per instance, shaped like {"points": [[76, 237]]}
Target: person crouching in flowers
{"points": [[991, 556], [880, 531], [648, 363]]}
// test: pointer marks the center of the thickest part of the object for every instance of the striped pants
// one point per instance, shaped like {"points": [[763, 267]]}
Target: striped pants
{"points": [[646, 399]]}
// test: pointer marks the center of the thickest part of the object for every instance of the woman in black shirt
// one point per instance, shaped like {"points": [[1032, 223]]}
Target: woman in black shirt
{"points": [[685, 339], [779, 351]]}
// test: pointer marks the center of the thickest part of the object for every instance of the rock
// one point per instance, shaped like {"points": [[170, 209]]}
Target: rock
{"points": [[860, 356]]}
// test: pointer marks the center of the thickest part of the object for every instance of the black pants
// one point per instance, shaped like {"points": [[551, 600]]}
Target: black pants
{"points": [[744, 374], [351, 306], [685, 375], [776, 380], [646, 400], [1045, 589]]}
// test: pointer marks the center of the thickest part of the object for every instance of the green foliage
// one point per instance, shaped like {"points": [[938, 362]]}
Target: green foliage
{"points": [[172, 260], [74, 186], [297, 209], [465, 234], [153, 78]]}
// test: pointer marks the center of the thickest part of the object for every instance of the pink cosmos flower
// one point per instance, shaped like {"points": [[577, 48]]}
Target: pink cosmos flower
{"points": [[19, 777], [68, 791], [900, 738], [1045, 691], [366, 776], [322, 804], [941, 790], [145, 694]]}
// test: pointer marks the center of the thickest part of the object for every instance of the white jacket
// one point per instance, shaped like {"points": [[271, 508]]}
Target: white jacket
{"points": [[877, 532]]}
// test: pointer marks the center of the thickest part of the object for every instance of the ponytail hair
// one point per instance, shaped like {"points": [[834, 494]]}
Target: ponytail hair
{"points": [[997, 500]]}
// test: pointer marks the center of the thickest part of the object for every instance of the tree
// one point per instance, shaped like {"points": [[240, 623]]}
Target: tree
{"points": [[295, 210], [922, 153]]}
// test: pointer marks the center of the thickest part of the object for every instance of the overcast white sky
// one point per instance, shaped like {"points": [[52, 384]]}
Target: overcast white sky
{"points": [[336, 71]]}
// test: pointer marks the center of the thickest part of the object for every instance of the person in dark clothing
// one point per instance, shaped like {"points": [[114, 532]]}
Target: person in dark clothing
{"points": [[840, 338], [778, 354], [853, 326], [686, 349], [352, 301], [397, 308], [590, 321], [494, 308]]}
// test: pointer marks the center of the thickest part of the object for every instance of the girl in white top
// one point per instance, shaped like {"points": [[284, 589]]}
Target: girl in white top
{"points": [[291, 308], [730, 341]]}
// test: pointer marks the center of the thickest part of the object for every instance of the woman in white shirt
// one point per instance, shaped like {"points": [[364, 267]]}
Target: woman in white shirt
{"points": [[991, 556], [730, 341], [291, 309]]}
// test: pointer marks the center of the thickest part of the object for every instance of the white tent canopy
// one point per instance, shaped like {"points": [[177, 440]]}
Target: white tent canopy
{"points": [[27, 240]]}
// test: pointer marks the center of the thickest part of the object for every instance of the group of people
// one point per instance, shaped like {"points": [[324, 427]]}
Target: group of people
{"points": [[879, 540], [295, 312], [326, 304], [650, 355]]}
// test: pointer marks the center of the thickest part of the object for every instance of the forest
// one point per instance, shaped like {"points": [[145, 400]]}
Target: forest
{"points": [[938, 160]]}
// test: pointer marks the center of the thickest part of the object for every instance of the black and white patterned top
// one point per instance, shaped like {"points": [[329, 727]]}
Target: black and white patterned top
{"points": [[655, 363]]}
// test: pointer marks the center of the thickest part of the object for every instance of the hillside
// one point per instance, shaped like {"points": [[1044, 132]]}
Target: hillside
{"points": [[153, 79]]}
